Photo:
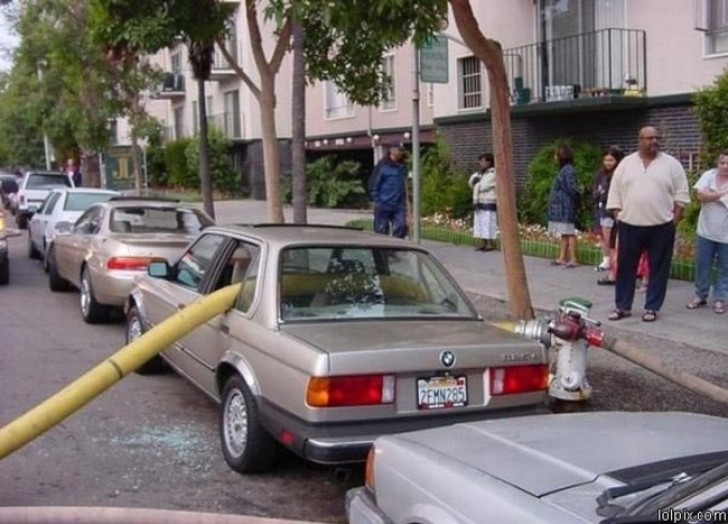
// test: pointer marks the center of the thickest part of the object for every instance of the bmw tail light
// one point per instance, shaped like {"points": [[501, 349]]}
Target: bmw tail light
{"points": [[518, 379], [355, 390], [129, 263]]}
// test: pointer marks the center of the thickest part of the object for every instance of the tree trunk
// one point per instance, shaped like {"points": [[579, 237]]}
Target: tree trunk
{"points": [[91, 169], [491, 54], [271, 162], [298, 128], [204, 147], [136, 163]]}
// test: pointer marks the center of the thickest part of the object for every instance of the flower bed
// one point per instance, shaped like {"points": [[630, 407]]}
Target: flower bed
{"points": [[537, 242]]}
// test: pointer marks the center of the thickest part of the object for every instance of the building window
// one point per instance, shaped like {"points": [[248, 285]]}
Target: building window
{"points": [[717, 30], [336, 103], [232, 114], [176, 64], [195, 118], [179, 122], [471, 83], [389, 100]]}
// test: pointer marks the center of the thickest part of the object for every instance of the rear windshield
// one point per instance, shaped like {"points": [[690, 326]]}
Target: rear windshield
{"points": [[83, 201], [363, 282], [8, 185], [39, 180], [142, 219]]}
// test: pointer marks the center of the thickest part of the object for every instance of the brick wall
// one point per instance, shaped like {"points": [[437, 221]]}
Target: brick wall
{"points": [[678, 125]]}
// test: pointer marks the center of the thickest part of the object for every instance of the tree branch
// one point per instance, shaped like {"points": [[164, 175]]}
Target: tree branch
{"points": [[284, 40], [238, 70], [256, 42]]}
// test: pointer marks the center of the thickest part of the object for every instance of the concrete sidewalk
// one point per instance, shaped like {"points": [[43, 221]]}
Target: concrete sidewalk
{"points": [[482, 273]]}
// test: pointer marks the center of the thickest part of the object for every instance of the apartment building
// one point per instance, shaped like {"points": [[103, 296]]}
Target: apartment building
{"points": [[595, 70]]}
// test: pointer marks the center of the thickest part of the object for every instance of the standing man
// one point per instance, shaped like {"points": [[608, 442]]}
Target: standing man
{"points": [[73, 172], [387, 189], [648, 194]]}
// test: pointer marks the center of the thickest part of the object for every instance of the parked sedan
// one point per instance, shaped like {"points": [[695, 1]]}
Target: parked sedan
{"points": [[555, 469], [114, 241], [337, 336], [61, 205]]}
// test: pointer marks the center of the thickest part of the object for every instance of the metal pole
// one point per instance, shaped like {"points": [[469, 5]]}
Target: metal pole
{"points": [[415, 144], [46, 143]]}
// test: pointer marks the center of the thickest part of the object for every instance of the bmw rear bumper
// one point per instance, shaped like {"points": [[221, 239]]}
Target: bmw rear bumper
{"points": [[349, 442]]}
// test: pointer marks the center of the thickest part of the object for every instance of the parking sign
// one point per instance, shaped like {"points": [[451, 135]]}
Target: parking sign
{"points": [[433, 61]]}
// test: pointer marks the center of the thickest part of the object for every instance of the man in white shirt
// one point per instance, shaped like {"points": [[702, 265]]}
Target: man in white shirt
{"points": [[648, 193]]}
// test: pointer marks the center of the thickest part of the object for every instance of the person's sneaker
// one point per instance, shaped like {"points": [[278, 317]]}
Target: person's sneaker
{"points": [[604, 266]]}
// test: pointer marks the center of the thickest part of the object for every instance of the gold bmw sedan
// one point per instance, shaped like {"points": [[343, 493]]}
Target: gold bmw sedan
{"points": [[114, 241]]}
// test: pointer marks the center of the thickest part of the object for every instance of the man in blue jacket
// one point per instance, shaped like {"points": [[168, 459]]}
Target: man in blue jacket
{"points": [[387, 191]]}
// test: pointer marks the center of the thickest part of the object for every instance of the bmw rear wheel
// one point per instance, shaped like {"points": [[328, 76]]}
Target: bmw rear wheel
{"points": [[246, 445]]}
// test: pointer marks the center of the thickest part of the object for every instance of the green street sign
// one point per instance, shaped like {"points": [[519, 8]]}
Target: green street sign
{"points": [[433, 61]]}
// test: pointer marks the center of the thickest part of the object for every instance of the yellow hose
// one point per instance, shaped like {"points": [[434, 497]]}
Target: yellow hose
{"points": [[90, 385]]}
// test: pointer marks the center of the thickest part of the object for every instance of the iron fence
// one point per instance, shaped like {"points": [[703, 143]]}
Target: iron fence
{"points": [[598, 63]]}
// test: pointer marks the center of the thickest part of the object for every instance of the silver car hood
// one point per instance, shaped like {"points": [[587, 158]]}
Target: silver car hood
{"points": [[393, 345], [546, 454]]}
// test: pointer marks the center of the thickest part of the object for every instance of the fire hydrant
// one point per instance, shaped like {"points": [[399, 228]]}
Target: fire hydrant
{"points": [[568, 334]]}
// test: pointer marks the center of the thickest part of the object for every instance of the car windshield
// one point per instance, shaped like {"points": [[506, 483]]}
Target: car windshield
{"points": [[697, 493], [39, 180], [83, 201], [362, 282], [150, 219]]}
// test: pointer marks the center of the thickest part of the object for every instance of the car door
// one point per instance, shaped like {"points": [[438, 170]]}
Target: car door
{"points": [[37, 224], [71, 251], [238, 264], [184, 286]]}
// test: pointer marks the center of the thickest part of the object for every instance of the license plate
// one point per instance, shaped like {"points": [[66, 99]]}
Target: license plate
{"points": [[442, 392]]}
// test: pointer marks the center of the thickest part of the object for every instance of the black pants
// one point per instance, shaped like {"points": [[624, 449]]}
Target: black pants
{"points": [[658, 242]]}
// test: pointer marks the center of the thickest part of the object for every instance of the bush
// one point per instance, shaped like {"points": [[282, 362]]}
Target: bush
{"points": [[330, 183], [157, 173], [180, 174], [444, 189], [711, 106], [224, 177], [533, 201]]}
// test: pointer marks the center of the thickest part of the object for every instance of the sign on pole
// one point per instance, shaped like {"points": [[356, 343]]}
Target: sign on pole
{"points": [[433, 61]]}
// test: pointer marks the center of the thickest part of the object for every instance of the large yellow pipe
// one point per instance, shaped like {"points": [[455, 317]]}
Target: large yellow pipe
{"points": [[90, 385]]}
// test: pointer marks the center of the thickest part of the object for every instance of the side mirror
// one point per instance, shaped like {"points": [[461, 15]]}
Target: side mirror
{"points": [[63, 228], [159, 269]]}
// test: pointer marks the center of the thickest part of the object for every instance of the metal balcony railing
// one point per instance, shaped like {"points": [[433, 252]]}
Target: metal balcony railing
{"points": [[218, 59], [598, 63], [173, 82], [229, 123]]}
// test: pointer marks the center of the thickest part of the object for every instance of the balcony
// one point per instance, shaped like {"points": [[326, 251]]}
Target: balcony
{"points": [[173, 87], [221, 70], [229, 124], [600, 65]]}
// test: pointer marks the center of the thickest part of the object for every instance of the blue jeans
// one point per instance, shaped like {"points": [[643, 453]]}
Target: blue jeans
{"points": [[706, 252]]}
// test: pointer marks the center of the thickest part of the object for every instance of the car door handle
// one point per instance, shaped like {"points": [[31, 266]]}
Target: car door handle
{"points": [[224, 328]]}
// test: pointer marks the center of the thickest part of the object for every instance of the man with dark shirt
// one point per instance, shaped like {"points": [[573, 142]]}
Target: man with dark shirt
{"points": [[387, 189]]}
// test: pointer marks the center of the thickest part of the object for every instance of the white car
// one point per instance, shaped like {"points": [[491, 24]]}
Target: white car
{"points": [[34, 188], [577, 468], [60, 206]]}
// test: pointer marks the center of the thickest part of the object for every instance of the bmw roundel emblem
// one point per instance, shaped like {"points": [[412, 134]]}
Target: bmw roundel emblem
{"points": [[447, 358]]}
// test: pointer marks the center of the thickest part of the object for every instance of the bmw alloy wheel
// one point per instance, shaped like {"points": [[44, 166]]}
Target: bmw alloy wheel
{"points": [[236, 423]]}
